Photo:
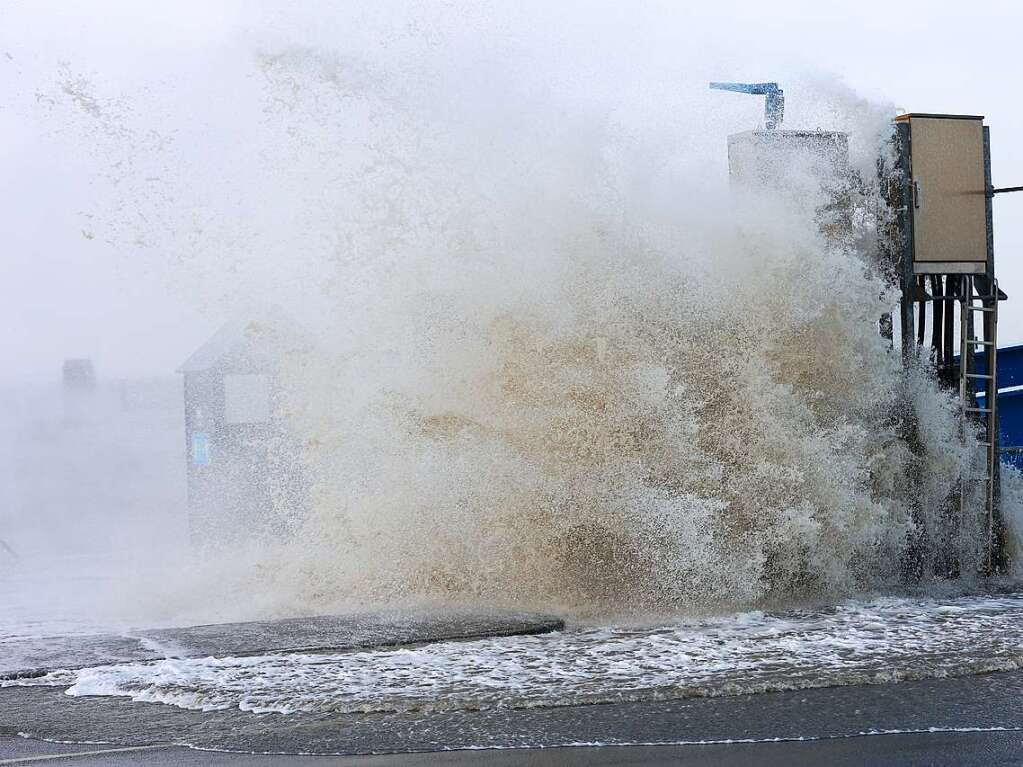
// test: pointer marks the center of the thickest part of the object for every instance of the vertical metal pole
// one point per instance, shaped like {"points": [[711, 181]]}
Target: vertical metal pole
{"points": [[921, 317], [969, 286], [905, 246], [994, 542], [913, 564], [964, 346], [965, 349], [938, 323], [948, 333]]}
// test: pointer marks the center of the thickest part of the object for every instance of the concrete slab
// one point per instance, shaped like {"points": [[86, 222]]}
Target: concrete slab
{"points": [[333, 633]]}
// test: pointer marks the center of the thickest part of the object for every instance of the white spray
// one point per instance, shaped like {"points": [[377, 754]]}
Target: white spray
{"points": [[556, 365]]}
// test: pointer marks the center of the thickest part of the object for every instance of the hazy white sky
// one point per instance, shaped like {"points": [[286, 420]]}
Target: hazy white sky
{"points": [[185, 70]]}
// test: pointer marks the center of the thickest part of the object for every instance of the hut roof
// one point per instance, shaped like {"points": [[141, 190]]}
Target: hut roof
{"points": [[249, 345]]}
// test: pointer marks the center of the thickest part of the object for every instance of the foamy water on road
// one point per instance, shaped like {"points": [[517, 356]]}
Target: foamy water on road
{"points": [[881, 640]]}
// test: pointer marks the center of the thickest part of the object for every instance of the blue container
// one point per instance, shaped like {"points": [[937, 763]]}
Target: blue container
{"points": [[1010, 401]]}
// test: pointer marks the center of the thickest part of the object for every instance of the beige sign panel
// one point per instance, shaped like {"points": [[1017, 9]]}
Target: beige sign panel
{"points": [[949, 200]]}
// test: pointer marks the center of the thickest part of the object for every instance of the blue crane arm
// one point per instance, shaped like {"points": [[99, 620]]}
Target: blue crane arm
{"points": [[774, 104], [756, 89]]}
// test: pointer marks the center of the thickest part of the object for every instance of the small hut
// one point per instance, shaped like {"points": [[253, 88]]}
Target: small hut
{"points": [[244, 474]]}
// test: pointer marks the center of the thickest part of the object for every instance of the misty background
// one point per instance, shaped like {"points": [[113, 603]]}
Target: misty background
{"points": [[189, 71]]}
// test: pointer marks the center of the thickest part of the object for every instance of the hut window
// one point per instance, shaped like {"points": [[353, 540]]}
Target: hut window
{"points": [[246, 398]]}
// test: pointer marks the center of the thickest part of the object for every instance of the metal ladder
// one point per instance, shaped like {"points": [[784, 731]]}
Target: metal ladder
{"points": [[987, 414]]}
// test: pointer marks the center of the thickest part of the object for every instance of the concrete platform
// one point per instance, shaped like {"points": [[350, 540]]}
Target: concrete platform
{"points": [[337, 633]]}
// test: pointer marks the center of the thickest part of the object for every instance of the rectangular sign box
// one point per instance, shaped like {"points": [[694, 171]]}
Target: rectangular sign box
{"points": [[948, 162]]}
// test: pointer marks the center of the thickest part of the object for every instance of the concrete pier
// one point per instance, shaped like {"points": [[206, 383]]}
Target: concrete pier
{"points": [[331, 633]]}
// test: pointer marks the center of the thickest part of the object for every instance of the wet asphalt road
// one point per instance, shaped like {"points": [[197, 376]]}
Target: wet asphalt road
{"points": [[830, 720], [905, 750]]}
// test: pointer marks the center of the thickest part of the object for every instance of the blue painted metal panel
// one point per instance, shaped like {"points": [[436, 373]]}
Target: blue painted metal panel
{"points": [[1010, 367], [1010, 401], [1010, 426]]}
